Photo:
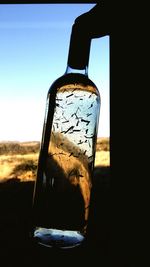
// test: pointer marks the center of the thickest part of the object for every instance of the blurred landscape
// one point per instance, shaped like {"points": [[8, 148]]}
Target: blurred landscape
{"points": [[19, 159]]}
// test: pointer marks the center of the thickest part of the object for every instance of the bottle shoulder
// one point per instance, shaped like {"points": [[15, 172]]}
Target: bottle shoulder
{"points": [[73, 81]]}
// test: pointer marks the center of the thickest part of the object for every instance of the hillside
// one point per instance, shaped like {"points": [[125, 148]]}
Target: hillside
{"points": [[19, 159]]}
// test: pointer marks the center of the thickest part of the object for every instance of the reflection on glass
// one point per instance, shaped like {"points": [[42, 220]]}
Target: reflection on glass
{"points": [[63, 186]]}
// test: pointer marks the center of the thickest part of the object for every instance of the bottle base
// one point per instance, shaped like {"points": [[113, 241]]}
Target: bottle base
{"points": [[58, 238]]}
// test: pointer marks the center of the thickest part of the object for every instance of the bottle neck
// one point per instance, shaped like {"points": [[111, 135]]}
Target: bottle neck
{"points": [[80, 71], [79, 50]]}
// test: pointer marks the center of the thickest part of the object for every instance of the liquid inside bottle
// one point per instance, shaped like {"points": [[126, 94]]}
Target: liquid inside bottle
{"points": [[66, 162]]}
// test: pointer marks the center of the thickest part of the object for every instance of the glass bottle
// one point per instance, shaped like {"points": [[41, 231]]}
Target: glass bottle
{"points": [[62, 190]]}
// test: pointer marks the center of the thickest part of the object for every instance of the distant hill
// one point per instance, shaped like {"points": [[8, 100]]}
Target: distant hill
{"points": [[103, 144], [21, 148], [19, 159], [14, 148]]}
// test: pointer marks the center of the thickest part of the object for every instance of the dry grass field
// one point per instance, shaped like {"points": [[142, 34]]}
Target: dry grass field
{"points": [[19, 160]]}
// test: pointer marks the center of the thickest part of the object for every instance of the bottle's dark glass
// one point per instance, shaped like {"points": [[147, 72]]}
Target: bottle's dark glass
{"points": [[66, 161]]}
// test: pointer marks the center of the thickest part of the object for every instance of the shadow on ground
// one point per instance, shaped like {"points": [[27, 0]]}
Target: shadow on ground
{"points": [[15, 214]]}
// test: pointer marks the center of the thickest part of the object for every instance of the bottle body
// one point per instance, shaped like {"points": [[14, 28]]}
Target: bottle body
{"points": [[66, 162]]}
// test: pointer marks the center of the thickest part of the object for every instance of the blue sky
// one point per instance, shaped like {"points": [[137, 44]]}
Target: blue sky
{"points": [[34, 43]]}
